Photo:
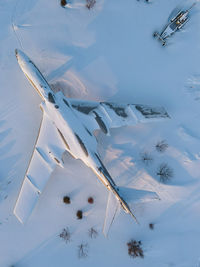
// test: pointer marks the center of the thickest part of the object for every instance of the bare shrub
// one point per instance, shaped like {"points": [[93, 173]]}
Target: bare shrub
{"points": [[151, 226], [161, 146], [165, 172], [134, 249], [92, 233], [146, 158], [65, 235], [79, 214], [90, 3], [90, 200], [83, 251]]}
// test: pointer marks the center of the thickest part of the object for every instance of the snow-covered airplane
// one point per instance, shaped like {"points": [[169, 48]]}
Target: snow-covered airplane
{"points": [[68, 124]]}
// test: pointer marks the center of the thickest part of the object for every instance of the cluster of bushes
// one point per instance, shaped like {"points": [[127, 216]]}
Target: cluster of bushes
{"points": [[83, 248], [135, 249], [65, 234], [164, 171], [79, 213]]}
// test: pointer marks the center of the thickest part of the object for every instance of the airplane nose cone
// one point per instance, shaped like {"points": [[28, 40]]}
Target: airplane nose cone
{"points": [[20, 55]]}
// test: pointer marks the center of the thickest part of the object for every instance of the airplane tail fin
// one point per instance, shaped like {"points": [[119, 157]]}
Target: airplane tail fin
{"points": [[131, 196]]}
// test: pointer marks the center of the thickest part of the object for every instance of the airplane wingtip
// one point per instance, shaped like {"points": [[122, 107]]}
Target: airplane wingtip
{"points": [[18, 217], [135, 219]]}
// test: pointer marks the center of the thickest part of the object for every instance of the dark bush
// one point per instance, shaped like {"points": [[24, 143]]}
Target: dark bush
{"points": [[66, 200], [90, 200], [134, 249], [151, 226], [63, 3], [79, 214]]}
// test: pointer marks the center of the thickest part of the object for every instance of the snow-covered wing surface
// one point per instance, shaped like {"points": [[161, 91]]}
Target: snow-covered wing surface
{"points": [[47, 153], [112, 115]]}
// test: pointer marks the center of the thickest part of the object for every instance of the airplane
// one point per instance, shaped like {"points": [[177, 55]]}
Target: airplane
{"points": [[69, 125]]}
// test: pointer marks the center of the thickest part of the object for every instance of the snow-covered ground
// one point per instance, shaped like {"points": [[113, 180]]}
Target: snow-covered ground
{"points": [[106, 53]]}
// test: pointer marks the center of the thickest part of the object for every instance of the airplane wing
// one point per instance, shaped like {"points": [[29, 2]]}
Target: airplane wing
{"points": [[47, 153], [112, 115]]}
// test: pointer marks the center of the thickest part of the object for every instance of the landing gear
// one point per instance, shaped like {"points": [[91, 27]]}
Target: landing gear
{"points": [[157, 35]]}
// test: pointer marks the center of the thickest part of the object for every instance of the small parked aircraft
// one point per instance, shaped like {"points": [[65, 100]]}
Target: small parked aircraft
{"points": [[175, 23]]}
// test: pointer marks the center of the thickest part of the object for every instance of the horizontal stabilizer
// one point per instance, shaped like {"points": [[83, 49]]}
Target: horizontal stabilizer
{"points": [[137, 196], [111, 211]]}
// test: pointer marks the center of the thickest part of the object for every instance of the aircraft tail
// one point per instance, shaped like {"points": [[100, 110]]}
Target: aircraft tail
{"points": [[131, 196]]}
